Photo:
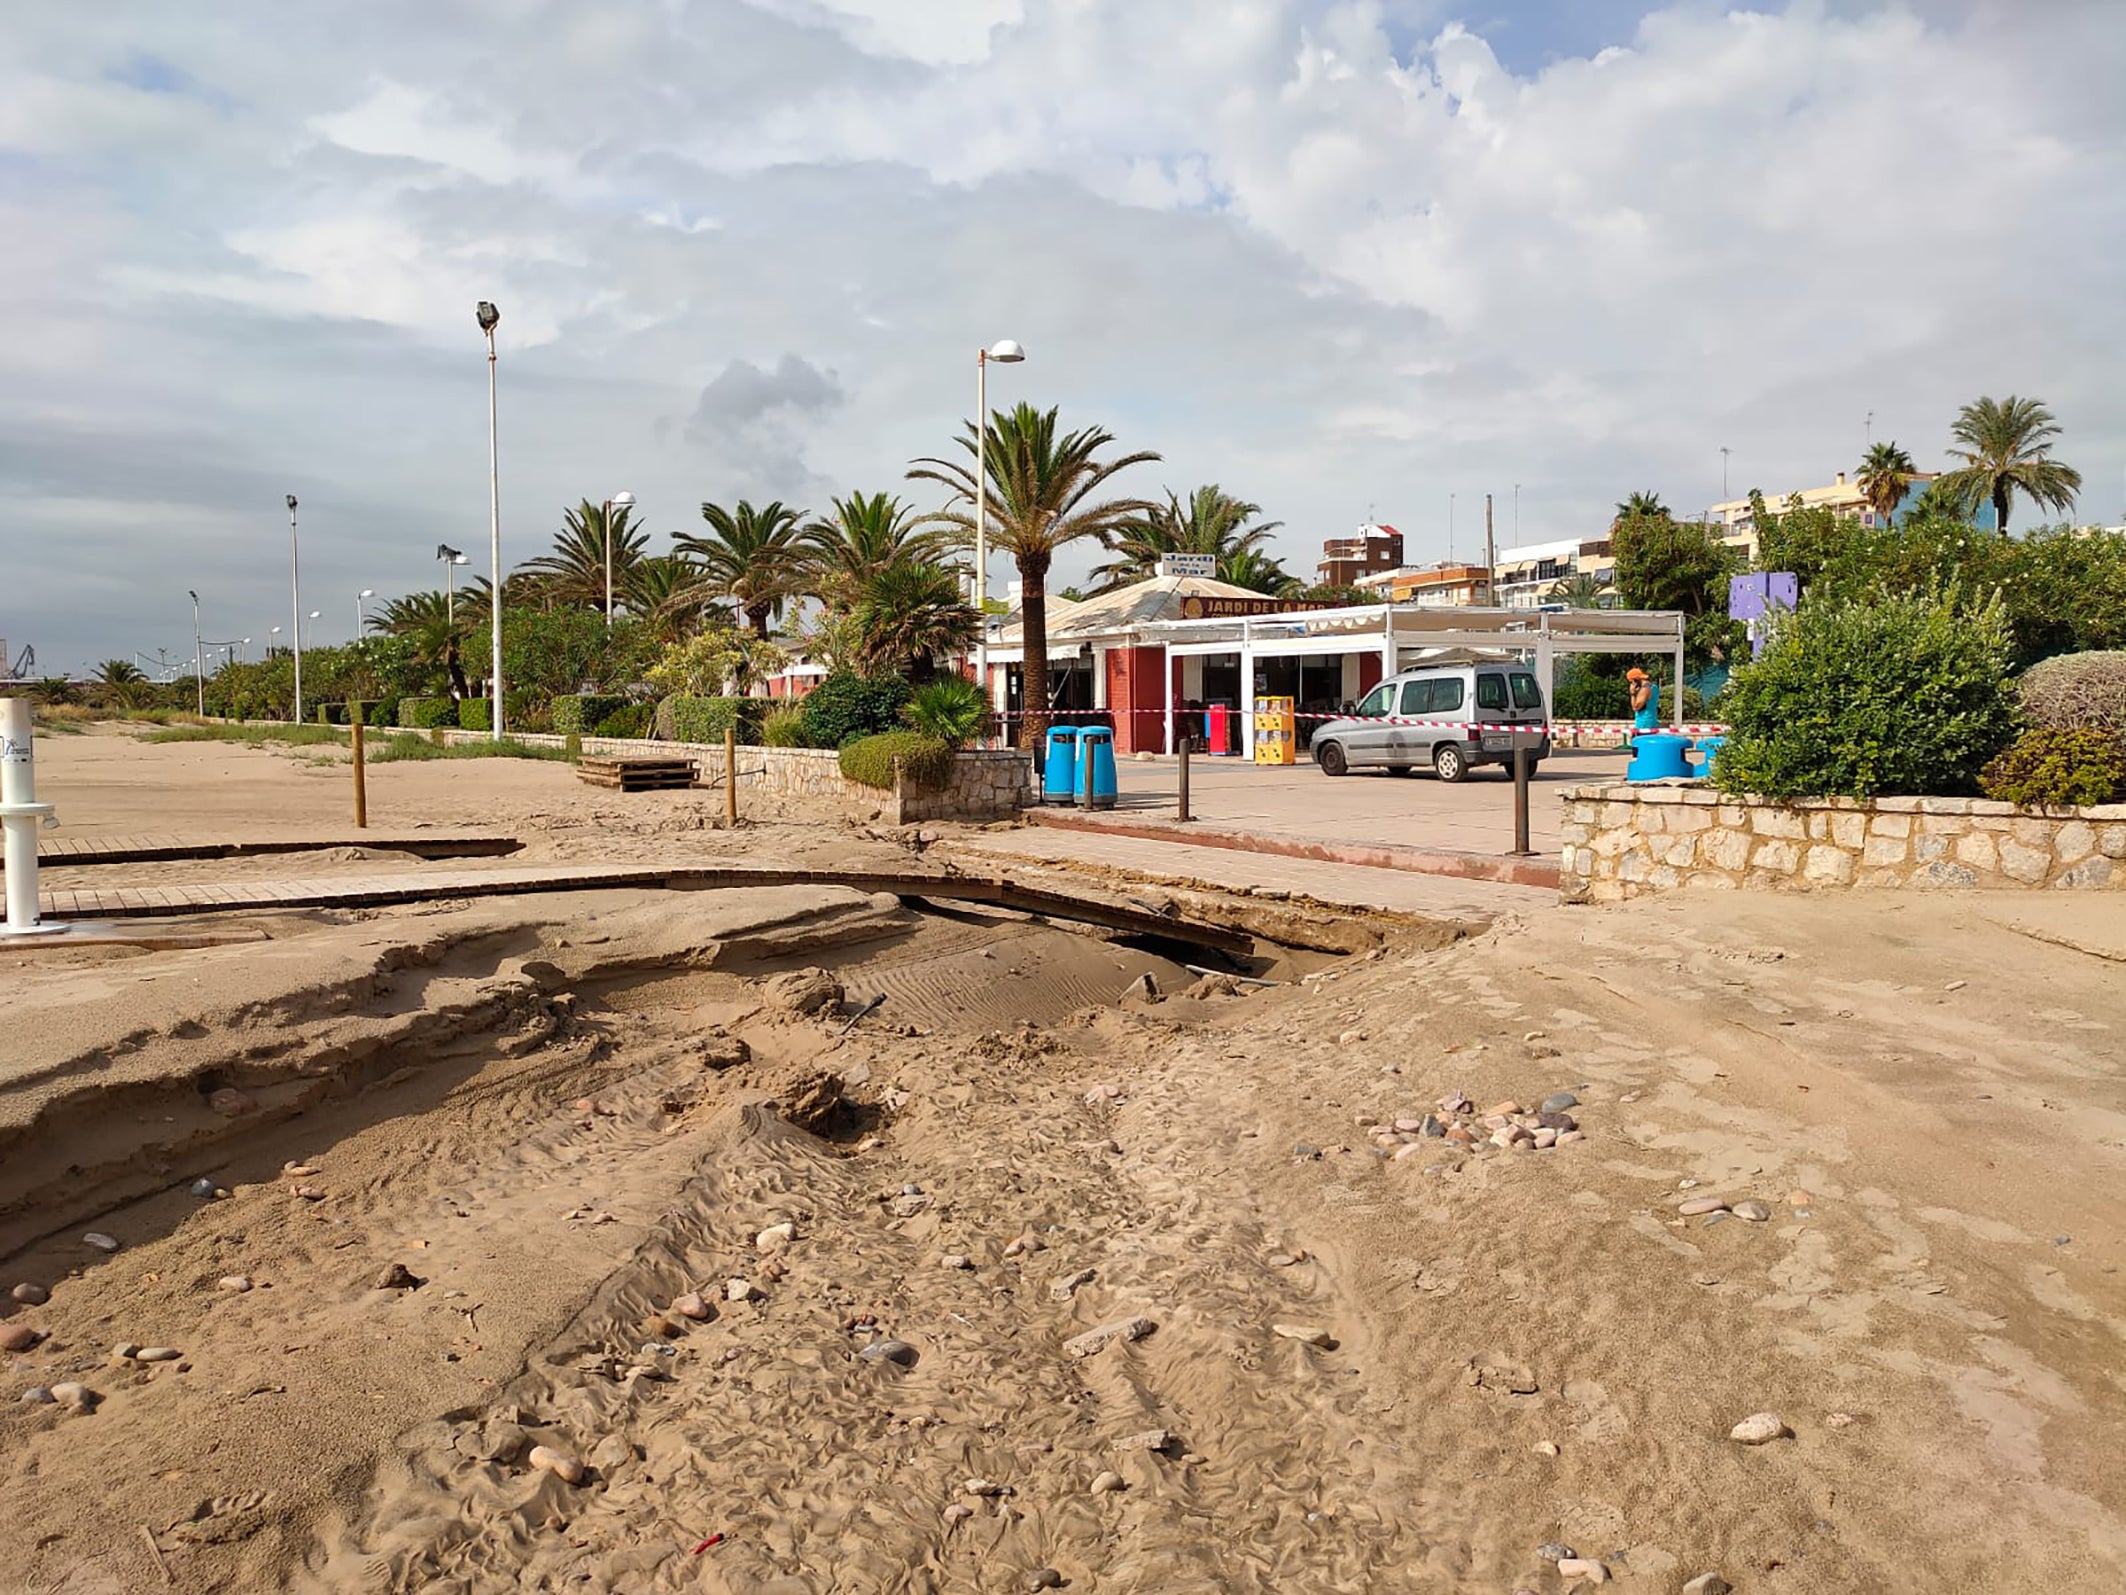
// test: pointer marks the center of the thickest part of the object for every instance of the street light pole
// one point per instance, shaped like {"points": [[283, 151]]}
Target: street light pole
{"points": [[622, 501], [295, 609], [199, 669], [361, 618], [1004, 352], [489, 317], [451, 559]]}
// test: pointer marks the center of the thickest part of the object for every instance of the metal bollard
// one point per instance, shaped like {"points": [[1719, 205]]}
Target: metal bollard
{"points": [[1521, 849], [20, 814], [1184, 813]]}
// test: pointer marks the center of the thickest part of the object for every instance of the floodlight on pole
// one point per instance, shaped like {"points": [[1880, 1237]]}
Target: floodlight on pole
{"points": [[1005, 351], [622, 501], [295, 608], [489, 318], [451, 559], [361, 618], [199, 666]]}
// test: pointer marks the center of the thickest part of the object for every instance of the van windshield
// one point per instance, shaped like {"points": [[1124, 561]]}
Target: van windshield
{"points": [[1377, 702], [1526, 694]]}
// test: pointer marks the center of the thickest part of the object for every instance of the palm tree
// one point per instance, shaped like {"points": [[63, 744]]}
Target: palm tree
{"points": [[2005, 450], [1643, 506], [1213, 522], [751, 556], [424, 621], [666, 591], [864, 535], [1041, 491], [1885, 477], [909, 616], [575, 572], [1258, 572], [123, 679], [1578, 591]]}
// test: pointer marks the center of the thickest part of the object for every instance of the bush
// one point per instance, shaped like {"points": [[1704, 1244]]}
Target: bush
{"points": [[476, 714], [581, 711], [385, 712], [424, 714], [925, 761], [2058, 766], [951, 708], [1586, 695], [1906, 695], [687, 719], [331, 714], [784, 727], [2073, 692], [845, 706], [629, 720], [359, 712]]}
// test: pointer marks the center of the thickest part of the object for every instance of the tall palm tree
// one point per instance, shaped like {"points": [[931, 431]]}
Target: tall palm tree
{"points": [[1042, 496], [2005, 450], [1212, 522], [122, 681], [666, 591], [1578, 591], [1643, 506], [909, 616], [424, 621], [1885, 477], [864, 535], [575, 572], [1258, 572], [751, 556]]}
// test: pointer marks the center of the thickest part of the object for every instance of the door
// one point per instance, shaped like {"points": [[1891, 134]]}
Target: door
{"points": [[1448, 700], [1366, 743], [1412, 744]]}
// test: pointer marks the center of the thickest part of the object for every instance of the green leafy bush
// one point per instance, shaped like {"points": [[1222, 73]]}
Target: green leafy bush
{"points": [[423, 714], [476, 714], [358, 712], [331, 714], [784, 727], [1589, 695], [2071, 692], [951, 708], [844, 707], [1909, 694], [629, 720], [580, 711], [2058, 766], [925, 761], [688, 719]]}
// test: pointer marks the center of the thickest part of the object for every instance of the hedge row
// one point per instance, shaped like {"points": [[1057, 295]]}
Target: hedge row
{"points": [[684, 719], [583, 711], [425, 714], [926, 762]]}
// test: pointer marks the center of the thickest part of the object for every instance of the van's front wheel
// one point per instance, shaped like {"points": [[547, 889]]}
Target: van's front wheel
{"points": [[1449, 763], [1330, 756]]}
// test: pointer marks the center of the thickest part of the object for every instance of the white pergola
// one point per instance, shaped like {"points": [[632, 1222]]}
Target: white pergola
{"points": [[1400, 630]]}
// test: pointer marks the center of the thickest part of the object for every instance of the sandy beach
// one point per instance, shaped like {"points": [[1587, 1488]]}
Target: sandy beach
{"points": [[581, 1241]]}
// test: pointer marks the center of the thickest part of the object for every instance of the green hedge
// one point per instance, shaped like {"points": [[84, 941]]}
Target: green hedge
{"points": [[332, 714], [685, 719], [2084, 766], [629, 720], [582, 711], [844, 707], [926, 762], [476, 714], [424, 714]]}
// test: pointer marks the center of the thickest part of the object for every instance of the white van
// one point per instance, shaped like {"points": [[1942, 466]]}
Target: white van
{"points": [[1375, 735]]}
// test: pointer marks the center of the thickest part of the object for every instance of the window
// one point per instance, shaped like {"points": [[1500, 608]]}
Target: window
{"points": [[1380, 701], [1417, 697], [1490, 692], [1446, 694], [1526, 694]]}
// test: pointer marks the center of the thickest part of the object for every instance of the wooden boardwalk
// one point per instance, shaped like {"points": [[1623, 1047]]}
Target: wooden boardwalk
{"points": [[384, 890], [160, 849]]}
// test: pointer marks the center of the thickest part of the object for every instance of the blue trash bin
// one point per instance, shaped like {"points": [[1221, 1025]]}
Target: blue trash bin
{"points": [[1096, 748], [1658, 756], [1708, 746], [1059, 771]]}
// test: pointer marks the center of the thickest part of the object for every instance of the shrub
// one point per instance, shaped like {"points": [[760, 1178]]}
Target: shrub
{"points": [[784, 727], [423, 714], [581, 711], [2050, 765], [476, 714], [629, 720], [332, 714], [385, 712], [951, 708], [688, 719], [359, 712], [2072, 692], [1906, 695], [925, 761], [845, 706], [1586, 695]]}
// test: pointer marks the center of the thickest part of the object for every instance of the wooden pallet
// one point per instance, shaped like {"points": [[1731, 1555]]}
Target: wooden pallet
{"points": [[637, 775]]}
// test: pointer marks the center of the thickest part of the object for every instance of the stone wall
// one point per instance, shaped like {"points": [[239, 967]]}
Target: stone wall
{"points": [[987, 784], [1626, 840]]}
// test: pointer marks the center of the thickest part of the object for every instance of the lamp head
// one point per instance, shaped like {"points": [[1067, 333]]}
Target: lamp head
{"points": [[195, 596], [445, 551], [1005, 351], [622, 500], [366, 592], [489, 316], [291, 503]]}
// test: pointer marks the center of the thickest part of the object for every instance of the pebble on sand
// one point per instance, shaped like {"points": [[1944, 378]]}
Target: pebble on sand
{"points": [[549, 1459], [956, 1260], [1546, 1448], [985, 1487], [897, 1352], [1702, 1204], [73, 1393], [1068, 1285], [691, 1305], [399, 1277], [1093, 1341], [740, 1290], [201, 1188], [1583, 1567], [37, 1395], [18, 1337], [1147, 1440], [157, 1354], [775, 1237], [1019, 1245], [958, 1512], [1708, 1584], [1306, 1334], [236, 1283], [1044, 1578], [1759, 1428], [30, 1295], [101, 1241], [1755, 1212], [1106, 1483], [1555, 1552], [1558, 1102]]}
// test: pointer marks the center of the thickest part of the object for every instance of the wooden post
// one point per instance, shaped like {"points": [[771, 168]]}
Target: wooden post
{"points": [[1521, 849], [730, 777], [361, 790], [1184, 813]]}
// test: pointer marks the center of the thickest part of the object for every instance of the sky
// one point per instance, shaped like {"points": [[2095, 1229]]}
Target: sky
{"points": [[1349, 259]]}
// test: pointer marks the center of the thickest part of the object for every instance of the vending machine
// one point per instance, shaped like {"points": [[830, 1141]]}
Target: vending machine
{"points": [[1276, 731]]}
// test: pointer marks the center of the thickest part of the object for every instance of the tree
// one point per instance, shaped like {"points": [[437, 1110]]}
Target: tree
{"points": [[424, 621], [1579, 591], [864, 535], [666, 591], [752, 556], [1678, 565], [1212, 522], [1885, 477], [1643, 507], [1256, 571], [122, 681], [1803, 539], [575, 572], [909, 616], [1042, 493], [2006, 449]]}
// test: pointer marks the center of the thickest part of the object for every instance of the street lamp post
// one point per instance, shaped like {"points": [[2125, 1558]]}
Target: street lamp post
{"points": [[361, 617], [1004, 352], [310, 633], [489, 317], [451, 559], [199, 669], [622, 501], [295, 608]]}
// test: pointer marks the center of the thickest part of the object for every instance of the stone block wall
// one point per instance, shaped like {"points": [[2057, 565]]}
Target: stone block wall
{"points": [[986, 784], [1626, 840]]}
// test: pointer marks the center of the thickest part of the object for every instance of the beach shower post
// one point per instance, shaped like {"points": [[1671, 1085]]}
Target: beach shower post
{"points": [[20, 813]]}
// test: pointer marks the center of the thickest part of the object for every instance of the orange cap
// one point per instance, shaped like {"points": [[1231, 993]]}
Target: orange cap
{"points": [[1634, 674]]}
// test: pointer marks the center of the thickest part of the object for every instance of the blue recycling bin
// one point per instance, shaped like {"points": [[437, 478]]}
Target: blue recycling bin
{"points": [[1658, 756], [1096, 762], [1708, 746], [1059, 771]]}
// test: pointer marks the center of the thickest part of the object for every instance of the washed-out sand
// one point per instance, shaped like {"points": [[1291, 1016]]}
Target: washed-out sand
{"points": [[561, 1115]]}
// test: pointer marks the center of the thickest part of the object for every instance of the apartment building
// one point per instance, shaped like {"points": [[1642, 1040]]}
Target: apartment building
{"points": [[1347, 561]]}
